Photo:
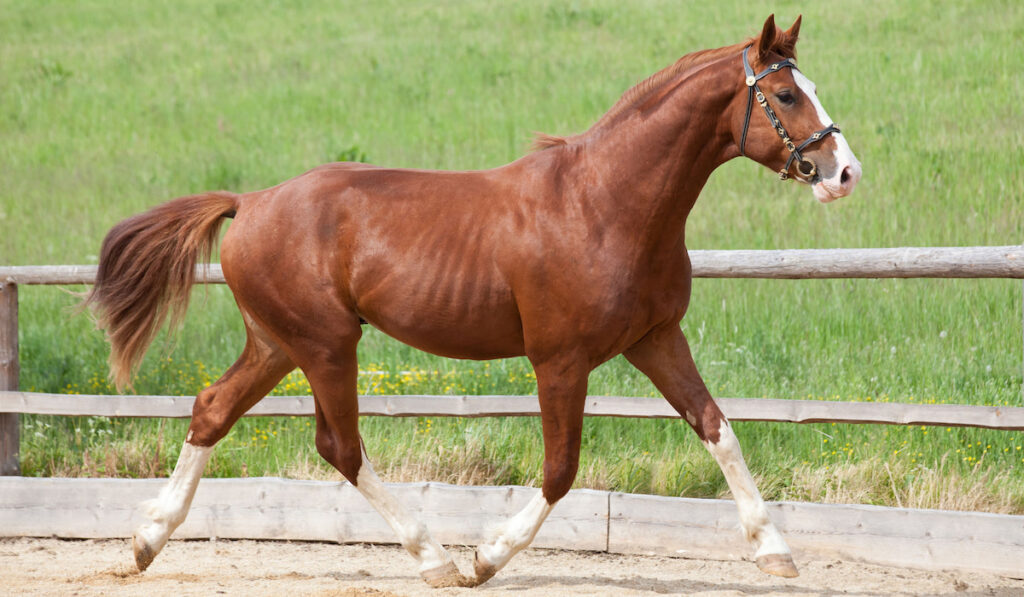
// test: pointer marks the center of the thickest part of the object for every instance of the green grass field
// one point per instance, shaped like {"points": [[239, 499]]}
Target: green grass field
{"points": [[106, 110]]}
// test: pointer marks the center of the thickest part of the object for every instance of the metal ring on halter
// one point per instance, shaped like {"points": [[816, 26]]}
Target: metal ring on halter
{"points": [[795, 155], [810, 171]]}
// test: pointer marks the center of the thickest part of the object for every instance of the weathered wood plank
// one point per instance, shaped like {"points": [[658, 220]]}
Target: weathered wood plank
{"points": [[931, 539], [592, 520], [9, 371], [889, 413], [899, 262], [737, 409], [271, 508], [896, 262], [84, 274]]}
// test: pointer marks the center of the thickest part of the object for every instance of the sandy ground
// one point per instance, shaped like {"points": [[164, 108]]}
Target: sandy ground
{"points": [[253, 568]]}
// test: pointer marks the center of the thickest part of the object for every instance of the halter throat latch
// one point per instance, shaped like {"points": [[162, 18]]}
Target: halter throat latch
{"points": [[805, 166]]}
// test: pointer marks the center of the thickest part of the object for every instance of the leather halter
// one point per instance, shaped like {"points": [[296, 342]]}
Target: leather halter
{"points": [[805, 166]]}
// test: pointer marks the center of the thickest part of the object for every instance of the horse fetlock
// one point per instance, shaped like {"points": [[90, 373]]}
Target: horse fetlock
{"points": [[492, 557], [498, 552], [767, 540], [764, 537], [417, 540], [431, 555], [757, 527]]}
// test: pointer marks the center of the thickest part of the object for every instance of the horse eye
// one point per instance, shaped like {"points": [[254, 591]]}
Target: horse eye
{"points": [[786, 97]]}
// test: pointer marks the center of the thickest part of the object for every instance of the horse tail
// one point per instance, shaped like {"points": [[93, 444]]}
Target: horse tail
{"points": [[146, 270]]}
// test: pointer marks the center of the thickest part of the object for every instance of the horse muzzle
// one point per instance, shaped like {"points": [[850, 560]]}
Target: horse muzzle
{"points": [[840, 184]]}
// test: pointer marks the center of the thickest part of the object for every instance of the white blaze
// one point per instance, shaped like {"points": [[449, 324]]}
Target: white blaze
{"points": [[832, 188]]}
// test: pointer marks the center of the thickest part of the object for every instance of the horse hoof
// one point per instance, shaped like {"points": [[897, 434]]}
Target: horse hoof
{"points": [[144, 554], [778, 564], [446, 575], [484, 570]]}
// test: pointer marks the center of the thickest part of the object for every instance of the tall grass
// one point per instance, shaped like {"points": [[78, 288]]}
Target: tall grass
{"points": [[106, 110]]}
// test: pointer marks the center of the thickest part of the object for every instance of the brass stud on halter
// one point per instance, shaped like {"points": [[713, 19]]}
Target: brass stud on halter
{"points": [[805, 166]]}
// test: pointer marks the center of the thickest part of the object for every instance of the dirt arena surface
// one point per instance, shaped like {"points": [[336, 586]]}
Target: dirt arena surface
{"points": [[256, 568]]}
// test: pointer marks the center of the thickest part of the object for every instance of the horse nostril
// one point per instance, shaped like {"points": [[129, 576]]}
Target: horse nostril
{"points": [[845, 176]]}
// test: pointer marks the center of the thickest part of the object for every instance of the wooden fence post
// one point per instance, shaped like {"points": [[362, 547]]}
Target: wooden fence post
{"points": [[9, 432]]}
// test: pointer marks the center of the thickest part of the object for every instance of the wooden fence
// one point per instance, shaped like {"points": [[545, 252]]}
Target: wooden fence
{"points": [[409, 405], [280, 509], [933, 540], [908, 262]]}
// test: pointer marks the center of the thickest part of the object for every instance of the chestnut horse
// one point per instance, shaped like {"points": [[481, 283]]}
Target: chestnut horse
{"points": [[570, 255]]}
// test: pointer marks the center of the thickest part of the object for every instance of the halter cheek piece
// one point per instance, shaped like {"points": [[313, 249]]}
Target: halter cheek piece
{"points": [[805, 166]]}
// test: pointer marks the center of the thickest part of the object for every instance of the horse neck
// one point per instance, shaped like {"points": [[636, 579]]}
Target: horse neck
{"points": [[653, 160]]}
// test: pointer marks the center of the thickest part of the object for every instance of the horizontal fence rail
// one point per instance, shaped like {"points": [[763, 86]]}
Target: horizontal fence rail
{"points": [[281, 509], [905, 262], [900, 262], [736, 409]]}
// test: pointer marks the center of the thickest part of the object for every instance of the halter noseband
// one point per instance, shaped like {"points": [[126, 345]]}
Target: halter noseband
{"points": [[805, 166]]}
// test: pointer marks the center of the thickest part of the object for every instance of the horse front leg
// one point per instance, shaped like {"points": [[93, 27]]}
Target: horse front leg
{"points": [[562, 391], [664, 356]]}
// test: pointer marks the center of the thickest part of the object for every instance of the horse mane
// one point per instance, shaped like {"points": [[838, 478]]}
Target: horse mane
{"points": [[635, 96]]}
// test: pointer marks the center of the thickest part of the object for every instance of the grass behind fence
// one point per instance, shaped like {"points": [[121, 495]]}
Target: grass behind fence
{"points": [[105, 111]]}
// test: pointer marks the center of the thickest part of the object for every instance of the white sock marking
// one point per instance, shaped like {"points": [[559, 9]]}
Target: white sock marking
{"points": [[753, 515], [411, 532], [517, 532], [169, 509]]}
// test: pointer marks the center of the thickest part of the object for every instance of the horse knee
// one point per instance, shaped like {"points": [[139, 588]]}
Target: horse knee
{"points": [[344, 454], [558, 478]]}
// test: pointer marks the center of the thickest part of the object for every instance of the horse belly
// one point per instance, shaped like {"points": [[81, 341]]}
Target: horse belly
{"points": [[480, 340], [475, 319], [437, 332]]}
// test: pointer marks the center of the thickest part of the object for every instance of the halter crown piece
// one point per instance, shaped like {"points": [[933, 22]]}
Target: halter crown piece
{"points": [[805, 166]]}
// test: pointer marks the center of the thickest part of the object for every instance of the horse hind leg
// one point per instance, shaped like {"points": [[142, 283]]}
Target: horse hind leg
{"points": [[332, 375], [260, 367]]}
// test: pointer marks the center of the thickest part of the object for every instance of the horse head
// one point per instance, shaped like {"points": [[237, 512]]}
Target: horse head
{"points": [[779, 122]]}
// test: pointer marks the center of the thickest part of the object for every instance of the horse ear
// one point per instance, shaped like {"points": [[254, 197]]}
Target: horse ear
{"points": [[793, 33], [767, 38]]}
